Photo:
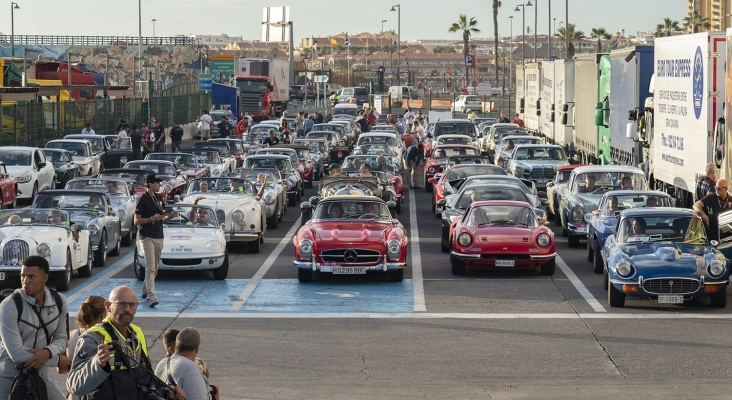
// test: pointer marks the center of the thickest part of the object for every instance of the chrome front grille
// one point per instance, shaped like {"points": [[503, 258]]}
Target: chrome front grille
{"points": [[670, 286], [15, 251], [542, 172], [351, 256], [250, 102]]}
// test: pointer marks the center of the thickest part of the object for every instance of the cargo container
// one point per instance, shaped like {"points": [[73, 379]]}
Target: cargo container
{"points": [[603, 101], [532, 104], [520, 99], [564, 99], [546, 117], [586, 84]]}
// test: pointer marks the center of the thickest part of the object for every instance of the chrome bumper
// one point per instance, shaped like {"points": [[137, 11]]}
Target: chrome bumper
{"points": [[572, 230], [477, 256], [316, 266], [244, 235]]}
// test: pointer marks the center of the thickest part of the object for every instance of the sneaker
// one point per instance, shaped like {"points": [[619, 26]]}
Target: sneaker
{"points": [[144, 295], [153, 302]]}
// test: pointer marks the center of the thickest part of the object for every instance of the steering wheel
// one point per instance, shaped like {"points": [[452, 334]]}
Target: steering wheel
{"points": [[199, 223], [368, 216]]}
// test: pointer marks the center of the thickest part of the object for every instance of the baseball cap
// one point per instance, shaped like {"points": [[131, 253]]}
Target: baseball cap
{"points": [[334, 166], [152, 178], [144, 124]]}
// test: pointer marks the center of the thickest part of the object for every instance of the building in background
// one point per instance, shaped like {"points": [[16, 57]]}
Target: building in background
{"points": [[218, 42], [715, 10], [274, 15]]}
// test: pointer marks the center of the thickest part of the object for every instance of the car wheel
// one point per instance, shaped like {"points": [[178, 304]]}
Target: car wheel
{"points": [[573, 241], [719, 299], [445, 247], [272, 222], [86, 270], [549, 213], [63, 278], [597, 263], [304, 275], [221, 272], [53, 183], [458, 268], [614, 297], [139, 268], [115, 250], [396, 275], [291, 199], [254, 246], [565, 232], [427, 185], [100, 256], [590, 250], [130, 237], [558, 218], [605, 279], [549, 267]]}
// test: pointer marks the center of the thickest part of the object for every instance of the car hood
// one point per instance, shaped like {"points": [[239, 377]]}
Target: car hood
{"points": [[589, 201], [553, 164], [222, 201], [17, 170], [31, 234], [334, 233], [667, 258]]}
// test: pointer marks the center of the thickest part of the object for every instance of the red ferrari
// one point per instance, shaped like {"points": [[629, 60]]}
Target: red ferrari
{"points": [[501, 235], [444, 182], [438, 159]]}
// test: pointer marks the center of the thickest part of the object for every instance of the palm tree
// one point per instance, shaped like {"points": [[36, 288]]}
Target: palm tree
{"points": [[496, 6], [339, 48], [667, 27], [240, 53], [257, 53], [273, 52], [570, 33], [599, 34], [468, 29], [697, 20]]}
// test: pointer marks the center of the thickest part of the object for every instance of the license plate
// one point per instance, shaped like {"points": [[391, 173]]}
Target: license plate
{"points": [[349, 270], [505, 263], [2, 276], [671, 298], [542, 181], [439, 209], [582, 229]]}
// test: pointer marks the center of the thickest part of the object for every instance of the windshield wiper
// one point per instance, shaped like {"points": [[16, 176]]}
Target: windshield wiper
{"points": [[665, 239]]}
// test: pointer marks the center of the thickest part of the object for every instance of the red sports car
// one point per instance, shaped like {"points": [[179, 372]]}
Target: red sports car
{"points": [[8, 188], [443, 182], [350, 235], [306, 168], [500, 235], [438, 159]]}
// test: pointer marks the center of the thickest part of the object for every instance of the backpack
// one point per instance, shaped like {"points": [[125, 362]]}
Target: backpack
{"points": [[28, 385], [19, 301]]}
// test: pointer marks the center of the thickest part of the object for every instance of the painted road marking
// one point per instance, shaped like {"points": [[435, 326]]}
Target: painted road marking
{"points": [[492, 279], [249, 289], [98, 279], [449, 316], [591, 300], [418, 282]]}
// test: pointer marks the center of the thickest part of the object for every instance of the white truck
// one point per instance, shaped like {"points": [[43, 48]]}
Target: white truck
{"points": [[546, 123], [532, 96], [564, 75], [520, 92], [586, 94], [688, 102], [264, 86]]}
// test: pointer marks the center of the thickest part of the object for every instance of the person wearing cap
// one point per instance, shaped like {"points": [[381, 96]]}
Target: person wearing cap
{"points": [[159, 137], [149, 214], [334, 169], [518, 121]]}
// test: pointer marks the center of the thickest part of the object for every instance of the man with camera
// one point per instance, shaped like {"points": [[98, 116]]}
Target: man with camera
{"points": [[111, 360], [180, 368]]}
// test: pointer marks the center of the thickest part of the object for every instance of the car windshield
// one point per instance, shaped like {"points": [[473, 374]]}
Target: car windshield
{"points": [[314, 144], [513, 142], [600, 182], [263, 130], [458, 128], [320, 135], [328, 127], [501, 216], [354, 162], [540, 153], [252, 86], [35, 216], [639, 230], [159, 168], [292, 155], [75, 149], [220, 185], [179, 159], [73, 199], [501, 132], [96, 141], [353, 210], [265, 163], [369, 140], [136, 179], [111, 187], [623, 202], [253, 176], [465, 172], [445, 152], [15, 158], [383, 128], [190, 216], [562, 176], [222, 149], [453, 140], [350, 111], [496, 179], [56, 156], [234, 145], [471, 195], [207, 157], [375, 150]]}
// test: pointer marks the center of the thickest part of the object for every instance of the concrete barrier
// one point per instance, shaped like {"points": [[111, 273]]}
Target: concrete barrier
{"points": [[441, 104]]}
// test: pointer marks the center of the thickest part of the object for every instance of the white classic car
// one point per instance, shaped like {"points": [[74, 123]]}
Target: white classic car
{"points": [[46, 233], [32, 168], [193, 241], [210, 157], [82, 152], [237, 206]]}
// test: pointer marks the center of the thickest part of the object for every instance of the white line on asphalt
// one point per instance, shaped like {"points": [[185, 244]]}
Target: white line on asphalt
{"points": [[485, 316], [492, 279], [580, 286], [113, 270], [249, 288], [417, 281]]}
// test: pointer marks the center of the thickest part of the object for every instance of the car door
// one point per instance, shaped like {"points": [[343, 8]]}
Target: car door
{"points": [[44, 170], [7, 187], [96, 160]]}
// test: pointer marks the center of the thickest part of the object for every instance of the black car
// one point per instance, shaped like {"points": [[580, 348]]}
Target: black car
{"points": [[300, 92]]}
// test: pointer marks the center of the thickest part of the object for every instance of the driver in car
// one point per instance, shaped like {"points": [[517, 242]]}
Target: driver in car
{"points": [[56, 157], [112, 188], [612, 204], [626, 183], [95, 204], [380, 163], [54, 217], [162, 170], [589, 184], [651, 202], [530, 154], [140, 180], [203, 187], [199, 216], [336, 210]]}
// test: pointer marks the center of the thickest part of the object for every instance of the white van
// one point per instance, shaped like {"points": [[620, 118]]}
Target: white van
{"points": [[346, 109], [401, 93]]}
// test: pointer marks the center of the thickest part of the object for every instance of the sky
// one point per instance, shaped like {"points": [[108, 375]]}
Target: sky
{"points": [[420, 19]]}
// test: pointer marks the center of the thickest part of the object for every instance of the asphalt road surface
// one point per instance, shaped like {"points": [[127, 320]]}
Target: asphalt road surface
{"points": [[509, 335]]}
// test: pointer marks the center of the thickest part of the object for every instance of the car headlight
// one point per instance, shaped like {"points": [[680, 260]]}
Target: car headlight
{"points": [[237, 216], [715, 269], [431, 170], [213, 246], [624, 269], [122, 215], [394, 249], [465, 239], [269, 199], [93, 229], [578, 213], [26, 177], [543, 240], [43, 250], [452, 218], [216, 173], [306, 249], [168, 188]]}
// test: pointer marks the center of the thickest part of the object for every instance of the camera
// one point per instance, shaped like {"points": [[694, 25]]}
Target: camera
{"points": [[157, 389]]}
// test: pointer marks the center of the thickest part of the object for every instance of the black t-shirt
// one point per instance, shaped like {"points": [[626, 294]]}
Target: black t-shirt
{"points": [[147, 207], [176, 134], [159, 132], [135, 138], [715, 206], [271, 141], [224, 129]]}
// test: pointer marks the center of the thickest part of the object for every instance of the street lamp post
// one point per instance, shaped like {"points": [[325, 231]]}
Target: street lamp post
{"points": [[554, 32], [566, 29], [381, 44], [153, 22], [399, 38], [510, 54], [536, 9], [549, 36], [13, 6], [523, 46]]}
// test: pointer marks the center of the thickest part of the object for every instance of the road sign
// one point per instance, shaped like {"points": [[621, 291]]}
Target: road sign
{"points": [[381, 68], [469, 61], [217, 76], [320, 78], [391, 72], [480, 76], [141, 75], [370, 74], [205, 82], [448, 71], [226, 67]]}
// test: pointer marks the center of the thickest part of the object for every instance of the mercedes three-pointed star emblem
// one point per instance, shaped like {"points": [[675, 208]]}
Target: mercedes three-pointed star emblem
{"points": [[350, 256]]}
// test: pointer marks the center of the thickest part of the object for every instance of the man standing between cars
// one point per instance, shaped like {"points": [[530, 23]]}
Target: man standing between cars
{"points": [[705, 183], [518, 121], [88, 130], [206, 122], [712, 205], [137, 140], [181, 366], [413, 157], [159, 136], [308, 124], [39, 335], [224, 127], [176, 138], [401, 125], [123, 142], [504, 119], [149, 214], [409, 115]]}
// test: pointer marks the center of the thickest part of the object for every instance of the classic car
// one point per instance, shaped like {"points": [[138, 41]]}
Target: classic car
{"points": [[318, 154], [82, 153], [303, 166], [602, 222], [455, 160], [49, 234], [236, 205], [490, 140], [528, 187], [352, 129], [262, 130], [122, 197], [453, 139], [537, 163], [224, 152], [63, 166], [274, 196], [193, 241], [381, 138], [332, 137], [392, 176], [8, 188], [291, 178], [443, 185], [351, 235], [585, 188], [330, 128], [106, 147], [187, 164], [455, 205], [134, 178], [174, 184], [453, 127], [310, 173], [438, 159], [209, 157], [236, 149], [500, 235], [93, 212], [663, 254], [348, 185], [30, 167], [504, 149], [554, 189]]}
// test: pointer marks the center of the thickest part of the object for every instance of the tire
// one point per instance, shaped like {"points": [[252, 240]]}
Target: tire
{"points": [[221, 272], [719, 299], [15, 199], [53, 183], [115, 250], [34, 192], [605, 279], [458, 268], [100, 256], [396, 275], [272, 222], [427, 186], [549, 267], [573, 241], [291, 200], [304, 275], [398, 207], [139, 268], [444, 247], [558, 219], [614, 297], [64, 181], [129, 239], [298, 195], [254, 246], [63, 278], [590, 251], [597, 263], [86, 270], [549, 214]]}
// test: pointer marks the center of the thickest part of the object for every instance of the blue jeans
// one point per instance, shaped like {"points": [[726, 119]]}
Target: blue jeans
{"points": [[176, 147], [160, 147]]}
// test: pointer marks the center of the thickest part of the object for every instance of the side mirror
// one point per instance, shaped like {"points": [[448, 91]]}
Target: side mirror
{"points": [[446, 192], [432, 180], [391, 204], [714, 243], [441, 202], [41, 165]]}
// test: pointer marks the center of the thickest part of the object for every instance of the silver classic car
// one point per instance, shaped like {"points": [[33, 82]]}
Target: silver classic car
{"points": [[291, 177], [274, 195], [537, 163]]}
